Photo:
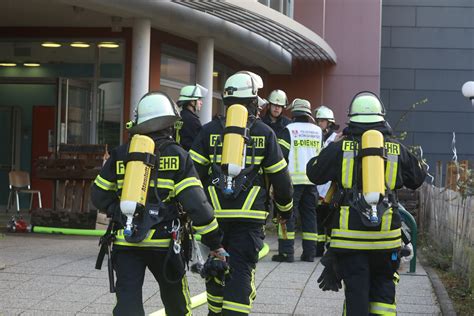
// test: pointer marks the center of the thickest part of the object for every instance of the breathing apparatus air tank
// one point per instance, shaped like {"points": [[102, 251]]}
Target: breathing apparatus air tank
{"points": [[137, 178], [373, 175], [234, 148]]}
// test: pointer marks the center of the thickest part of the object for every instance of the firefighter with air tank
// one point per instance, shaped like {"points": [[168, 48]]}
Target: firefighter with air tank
{"points": [[234, 155], [300, 141], [367, 165], [144, 186]]}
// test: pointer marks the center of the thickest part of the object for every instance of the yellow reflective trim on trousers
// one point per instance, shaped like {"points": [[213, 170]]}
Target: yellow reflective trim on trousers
{"points": [[187, 295], [284, 143], [344, 217], [248, 159], [104, 184], [253, 293], [365, 245], [347, 169], [396, 278], [387, 220], [214, 199], [285, 208], [215, 299], [147, 242], [276, 167], [289, 235], [199, 158], [236, 213], [202, 230], [310, 236], [214, 309], [186, 183], [251, 198], [365, 234], [236, 307], [382, 309]]}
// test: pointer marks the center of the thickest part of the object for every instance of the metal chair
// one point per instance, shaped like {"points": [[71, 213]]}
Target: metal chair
{"points": [[20, 183]]}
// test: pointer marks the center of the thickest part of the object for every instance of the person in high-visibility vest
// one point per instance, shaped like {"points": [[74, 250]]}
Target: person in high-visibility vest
{"points": [[239, 199], [365, 232], [300, 141], [324, 117], [190, 100], [153, 239]]}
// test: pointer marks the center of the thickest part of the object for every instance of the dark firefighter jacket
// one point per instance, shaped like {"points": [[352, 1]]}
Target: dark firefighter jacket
{"points": [[250, 204], [187, 128], [177, 182], [336, 163], [277, 126]]}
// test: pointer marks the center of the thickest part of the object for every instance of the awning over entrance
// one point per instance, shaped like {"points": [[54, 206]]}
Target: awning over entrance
{"points": [[295, 38]]}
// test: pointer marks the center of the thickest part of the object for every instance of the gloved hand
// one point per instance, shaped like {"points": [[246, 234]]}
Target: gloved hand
{"points": [[214, 267], [329, 280], [406, 253], [220, 254]]}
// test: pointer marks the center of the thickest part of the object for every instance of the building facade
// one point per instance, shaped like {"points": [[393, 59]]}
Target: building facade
{"points": [[73, 71]]}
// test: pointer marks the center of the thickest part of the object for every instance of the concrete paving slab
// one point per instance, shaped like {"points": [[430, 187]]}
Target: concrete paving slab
{"points": [[57, 277]]}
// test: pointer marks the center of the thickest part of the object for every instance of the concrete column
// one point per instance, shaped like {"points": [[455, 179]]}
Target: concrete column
{"points": [[205, 68], [140, 62]]}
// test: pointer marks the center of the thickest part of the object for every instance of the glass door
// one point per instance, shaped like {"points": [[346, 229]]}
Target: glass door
{"points": [[74, 117]]}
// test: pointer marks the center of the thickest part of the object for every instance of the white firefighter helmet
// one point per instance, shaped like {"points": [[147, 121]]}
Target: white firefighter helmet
{"points": [[300, 107], [278, 97], [190, 93], [243, 85], [155, 111], [323, 112], [366, 107]]}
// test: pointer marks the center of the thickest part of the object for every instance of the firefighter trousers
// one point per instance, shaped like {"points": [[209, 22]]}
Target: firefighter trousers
{"points": [[322, 220], [130, 266], [370, 279], [235, 294], [304, 201]]}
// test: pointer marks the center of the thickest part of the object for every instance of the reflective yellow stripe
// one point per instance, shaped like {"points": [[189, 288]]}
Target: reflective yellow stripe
{"points": [[104, 184], [215, 299], [214, 200], [187, 295], [365, 234], [284, 143], [391, 171], [236, 307], [387, 220], [253, 293], [299, 178], [347, 169], [382, 309], [162, 184], [365, 245], [214, 309], [202, 230], [344, 217], [310, 236], [248, 159], [147, 242], [396, 278], [285, 208], [188, 182], [276, 167], [322, 237], [251, 198], [235, 213], [198, 158]]}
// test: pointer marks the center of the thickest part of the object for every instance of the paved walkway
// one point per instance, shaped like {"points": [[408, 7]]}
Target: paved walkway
{"points": [[55, 275]]}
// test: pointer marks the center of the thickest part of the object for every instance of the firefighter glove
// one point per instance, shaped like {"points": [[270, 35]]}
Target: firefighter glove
{"points": [[115, 214], [329, 280]]}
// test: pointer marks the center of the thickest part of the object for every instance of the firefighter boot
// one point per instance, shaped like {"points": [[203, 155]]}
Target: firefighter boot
{"points": [[283, 257]]}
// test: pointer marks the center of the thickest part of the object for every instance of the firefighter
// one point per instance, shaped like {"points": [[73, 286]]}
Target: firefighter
{"points": [[325, 120], [241, 212], [277, 102], [365, 238], [190, 100], [173, 184], [300, 141]]}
